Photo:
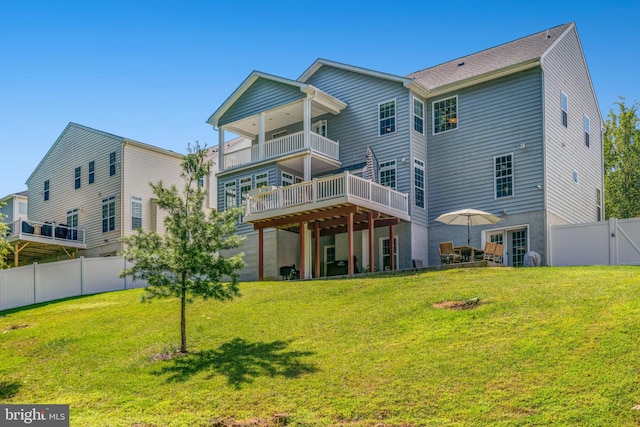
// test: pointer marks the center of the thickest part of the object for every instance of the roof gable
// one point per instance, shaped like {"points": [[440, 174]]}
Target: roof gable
{"points": [[499, 60]]}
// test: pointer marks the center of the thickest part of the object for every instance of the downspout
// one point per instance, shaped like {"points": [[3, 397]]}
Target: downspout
{"points": [[122, 198], [547, 230]]}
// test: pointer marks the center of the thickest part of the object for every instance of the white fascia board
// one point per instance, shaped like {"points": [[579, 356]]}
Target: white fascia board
{"points": [[255, 75], [320, 62]]}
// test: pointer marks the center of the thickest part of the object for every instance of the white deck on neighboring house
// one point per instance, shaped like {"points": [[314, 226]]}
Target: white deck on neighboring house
{"points": [[33, 239]]}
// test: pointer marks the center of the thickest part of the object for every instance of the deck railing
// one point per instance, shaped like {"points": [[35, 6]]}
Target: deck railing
{"points": [[46, 230], [282, 146], [343, 185]]}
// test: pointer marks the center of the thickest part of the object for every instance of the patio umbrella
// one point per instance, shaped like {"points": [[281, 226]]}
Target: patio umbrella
{"points": [[468, 217]]}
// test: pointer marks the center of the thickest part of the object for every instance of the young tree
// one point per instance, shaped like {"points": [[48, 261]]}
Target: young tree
{"points": [[186, 261], [5, 247], [622, 162]]}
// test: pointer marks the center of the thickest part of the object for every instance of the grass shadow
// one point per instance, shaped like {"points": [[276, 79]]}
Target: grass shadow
{"points": [[241, 362], [9, 389]]}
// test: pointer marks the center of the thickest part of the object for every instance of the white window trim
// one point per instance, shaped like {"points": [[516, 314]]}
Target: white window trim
{"points": [[230, 184], [513, 177], [506, 259], [587, 129], [326, 249], [395, 115], [319, 125], [419, 164], [384, 166], [134, 200], [562, 94], [261, 178], [381, 254], [413, 106], [433, 116], [107, 201]]}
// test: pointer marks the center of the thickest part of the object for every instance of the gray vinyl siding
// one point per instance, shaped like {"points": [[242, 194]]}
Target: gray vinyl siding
{"points": [[356, 127], [494, 119], [274, 179], [77, 146], [263, 95], [565, 70], [418, 151]]}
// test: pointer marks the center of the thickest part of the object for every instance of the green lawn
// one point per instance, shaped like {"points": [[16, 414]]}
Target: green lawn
{"points": [[545, 346]]}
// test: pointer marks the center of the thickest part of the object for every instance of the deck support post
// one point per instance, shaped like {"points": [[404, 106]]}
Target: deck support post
{"points": [[317, 244], [392, 248], [260, 254], [371, 245], [302, 250], [350, 243]]}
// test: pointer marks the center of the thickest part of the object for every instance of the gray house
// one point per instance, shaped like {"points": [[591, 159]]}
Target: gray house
{"points": [[514, 130]]}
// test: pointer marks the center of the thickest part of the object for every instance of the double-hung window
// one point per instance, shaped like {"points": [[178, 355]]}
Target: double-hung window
{"points": [[504, 176], [587, 127], [564, 102], [136, 212], [77, 178], [387, 174], [245, 187], [320, 128], [418, 115], [418, 182], [230, 195], [387, 117], [445, 115], [45, 191], [108, 214], [262, 180], [92, 172], [112, 163]]}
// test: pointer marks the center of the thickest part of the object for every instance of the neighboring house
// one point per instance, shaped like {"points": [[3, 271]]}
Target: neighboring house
{"points": [[14, 207], [514, 130], [93, 188]]}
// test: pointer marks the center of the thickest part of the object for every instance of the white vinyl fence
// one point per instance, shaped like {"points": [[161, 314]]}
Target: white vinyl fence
{"points": [[613, 242], [37, 283]]}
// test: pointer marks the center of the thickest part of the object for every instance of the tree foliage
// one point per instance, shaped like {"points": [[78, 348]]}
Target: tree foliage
{"points": [[622, 161], [187, 260], [5, 247]]}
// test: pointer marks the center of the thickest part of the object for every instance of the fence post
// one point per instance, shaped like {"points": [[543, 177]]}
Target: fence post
{"points": [[82, 276], [35, 282], [613, 241]]}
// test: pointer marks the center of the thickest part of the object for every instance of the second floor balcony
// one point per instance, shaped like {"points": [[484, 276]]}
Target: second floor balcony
{"points": [[323, 193], [283, 146]]}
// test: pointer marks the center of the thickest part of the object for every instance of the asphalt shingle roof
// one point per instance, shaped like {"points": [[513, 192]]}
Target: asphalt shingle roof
{"points": [[503, 56]]}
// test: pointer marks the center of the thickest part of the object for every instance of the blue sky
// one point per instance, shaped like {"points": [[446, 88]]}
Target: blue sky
{"points": [[155, 71]]}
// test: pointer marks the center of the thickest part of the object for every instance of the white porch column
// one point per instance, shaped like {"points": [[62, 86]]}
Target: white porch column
{"points": [[307, 167], [306, 125], [306, 122], [260, 136], [220, 149]]}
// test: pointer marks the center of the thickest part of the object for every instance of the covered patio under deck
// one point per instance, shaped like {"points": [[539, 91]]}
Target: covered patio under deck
{"points": [[332, 205], [32, 240]]}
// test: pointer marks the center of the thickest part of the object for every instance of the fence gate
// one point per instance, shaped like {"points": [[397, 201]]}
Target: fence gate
{"points": [[613, 242]]}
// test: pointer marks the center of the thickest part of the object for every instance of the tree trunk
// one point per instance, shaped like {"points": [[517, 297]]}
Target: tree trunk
{"points": [[183, 321]]}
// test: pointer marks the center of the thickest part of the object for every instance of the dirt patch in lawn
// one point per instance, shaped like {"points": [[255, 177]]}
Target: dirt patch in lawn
{"points": [[459, 305], [13, 328]]}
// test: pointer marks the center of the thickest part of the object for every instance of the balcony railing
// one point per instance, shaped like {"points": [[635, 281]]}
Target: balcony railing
{"points": [[342, 186], [282, 146], [46, 231]]}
